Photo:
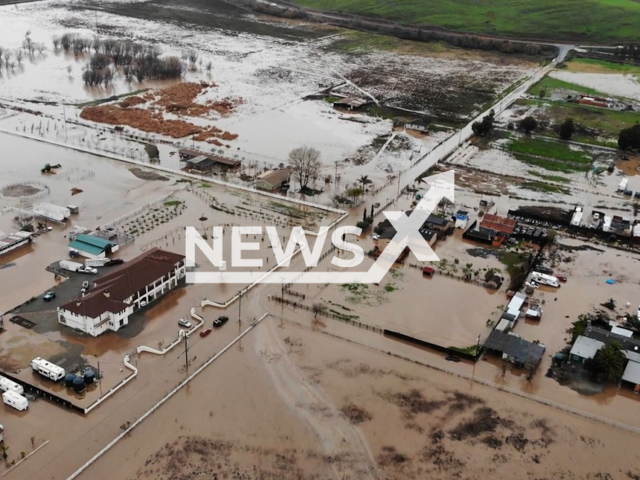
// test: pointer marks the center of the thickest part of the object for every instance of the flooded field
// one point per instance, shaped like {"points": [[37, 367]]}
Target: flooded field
{"points": [[270, 66], [399, 420]]}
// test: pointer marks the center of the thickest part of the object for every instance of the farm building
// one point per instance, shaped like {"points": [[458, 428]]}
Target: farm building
{"points": [[93, 247], [515, 349], [115, 296], [273, 179], [207, 162], [352, 103]]}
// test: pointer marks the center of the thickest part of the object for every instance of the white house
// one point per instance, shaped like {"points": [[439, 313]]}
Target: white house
{"points": [[115, 296]]}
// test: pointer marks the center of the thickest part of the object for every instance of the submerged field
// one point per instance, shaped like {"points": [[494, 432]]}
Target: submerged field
{"points": [[596, 21]]}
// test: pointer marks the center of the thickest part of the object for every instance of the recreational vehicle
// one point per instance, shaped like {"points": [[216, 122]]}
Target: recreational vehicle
{"points": [[47, 369], [15, 400], [9, 385], [544, 279]]}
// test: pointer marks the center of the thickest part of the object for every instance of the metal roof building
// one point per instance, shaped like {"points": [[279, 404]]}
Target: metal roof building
{"points": [[93, 247]]}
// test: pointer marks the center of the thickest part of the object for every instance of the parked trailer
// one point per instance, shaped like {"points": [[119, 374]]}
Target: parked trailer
{"points": [[544, 279], [1, 433], [47, 369], [9, 385], [15, 400], [96, 262], [69, 265]]}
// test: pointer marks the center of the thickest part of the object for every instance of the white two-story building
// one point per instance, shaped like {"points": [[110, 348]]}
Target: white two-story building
{"points": [[116, 295]]}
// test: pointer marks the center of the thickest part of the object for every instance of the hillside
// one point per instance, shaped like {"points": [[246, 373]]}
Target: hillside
{"points": [[594, 21]]}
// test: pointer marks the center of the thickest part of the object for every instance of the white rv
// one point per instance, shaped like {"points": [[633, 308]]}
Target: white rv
{"points": [[96, 262], [544, 279], [47, 369], [15, 400], [9, 385]]}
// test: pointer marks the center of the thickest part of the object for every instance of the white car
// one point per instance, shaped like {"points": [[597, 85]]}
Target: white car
{"points": [[376, 236], [184, 323]]}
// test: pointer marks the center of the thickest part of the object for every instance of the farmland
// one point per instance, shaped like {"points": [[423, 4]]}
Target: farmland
{"points": [[608, 20]]}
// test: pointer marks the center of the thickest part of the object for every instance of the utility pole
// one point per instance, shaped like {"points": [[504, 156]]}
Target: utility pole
{"points": [[64, 114], [186, 352], [240, 349], [282, 307]]}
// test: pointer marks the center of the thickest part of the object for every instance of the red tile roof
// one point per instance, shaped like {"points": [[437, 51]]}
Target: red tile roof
{"points": [[498, 223], [123, 282]]}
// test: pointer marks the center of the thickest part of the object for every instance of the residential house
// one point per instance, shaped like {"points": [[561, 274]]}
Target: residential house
{"points": [[515, 349], [584, 348], [431, 237], [418, 124], [272, 180], [124, 290], [497, 224]]}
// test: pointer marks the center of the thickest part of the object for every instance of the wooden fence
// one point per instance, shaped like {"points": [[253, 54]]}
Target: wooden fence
{"points": [[328, 314], [460, 278]]}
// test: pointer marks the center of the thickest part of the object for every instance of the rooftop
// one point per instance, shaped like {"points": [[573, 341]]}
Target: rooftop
{"points": [[585, 347], [123, 282], [632, 373], [95, 241], [498, 223], [607, 336], [522, 351], [275, 177]]}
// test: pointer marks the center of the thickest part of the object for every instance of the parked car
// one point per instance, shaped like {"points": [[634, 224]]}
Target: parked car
{"points": [[85, 285], [220, 321], [114, 261], [49, 296], [562, 278], [184, 323], [376, 236]]}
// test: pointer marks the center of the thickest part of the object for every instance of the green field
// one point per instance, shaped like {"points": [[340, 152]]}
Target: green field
{"points": [[581, 64], [592, 21], [607, 122], [550, 178], [549, 85], [552, 165], [549, 149]]}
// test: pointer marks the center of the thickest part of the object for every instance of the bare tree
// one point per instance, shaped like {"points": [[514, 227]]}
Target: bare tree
{"points": [[19, 55], [40, 47], [318, 309], [305, 164], [7, 57], [56, 41], [69, 69]]}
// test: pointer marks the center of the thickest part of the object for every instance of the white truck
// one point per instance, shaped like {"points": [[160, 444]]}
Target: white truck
{"points": [[47, 369], [544, 279], [69, 265], [9, 385], [96, 262], [15, 400]]}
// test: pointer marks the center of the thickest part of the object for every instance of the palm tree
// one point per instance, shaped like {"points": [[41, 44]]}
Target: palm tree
{"points": [[364, 181], [610, 361]]}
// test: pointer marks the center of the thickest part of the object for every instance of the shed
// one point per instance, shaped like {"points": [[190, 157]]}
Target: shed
{"points": [[352, 103], [273, 179], [93, 247]]}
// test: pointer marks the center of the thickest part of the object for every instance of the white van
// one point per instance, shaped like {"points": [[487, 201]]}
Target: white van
{"points": [[15, 400], [6, 385]]}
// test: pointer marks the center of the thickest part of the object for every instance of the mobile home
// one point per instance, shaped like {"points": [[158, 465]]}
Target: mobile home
{"points": [[9, 385], [15, 400], [47, 369]]}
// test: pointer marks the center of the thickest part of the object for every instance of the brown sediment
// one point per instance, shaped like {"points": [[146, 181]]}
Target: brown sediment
{"points": [[177, 99]]}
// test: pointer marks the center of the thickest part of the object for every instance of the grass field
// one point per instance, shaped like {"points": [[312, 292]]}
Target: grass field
{"points": [[552, 165], [550, 85], [549, 149], [550, 178], [593, 21], [591, 65], [608, 122]]}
